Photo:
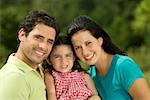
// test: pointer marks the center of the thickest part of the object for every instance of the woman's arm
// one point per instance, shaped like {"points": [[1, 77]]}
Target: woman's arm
{"points": [[91, 86], [139, 90], [50, 86]]}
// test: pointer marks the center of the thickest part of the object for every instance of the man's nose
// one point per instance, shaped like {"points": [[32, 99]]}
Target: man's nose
{"points": [[43, 45]]}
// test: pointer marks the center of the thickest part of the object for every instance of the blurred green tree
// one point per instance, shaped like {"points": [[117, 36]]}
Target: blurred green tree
{"points": [[141, 23]]}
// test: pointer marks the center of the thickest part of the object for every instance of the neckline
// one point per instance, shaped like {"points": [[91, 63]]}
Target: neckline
{"points": [[110, 68]]}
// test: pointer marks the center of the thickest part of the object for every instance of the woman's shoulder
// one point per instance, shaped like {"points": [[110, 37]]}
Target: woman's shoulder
{"points": [[125, 63], [124, 59]]}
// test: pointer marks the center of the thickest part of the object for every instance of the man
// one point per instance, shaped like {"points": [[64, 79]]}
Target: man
{"points": [[21, 77]]}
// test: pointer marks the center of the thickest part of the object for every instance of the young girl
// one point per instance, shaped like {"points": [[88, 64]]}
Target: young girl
{"points": [[67, 80]]}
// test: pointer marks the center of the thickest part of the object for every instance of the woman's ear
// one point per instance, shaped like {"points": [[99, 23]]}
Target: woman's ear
{"points": [[100, 39]]}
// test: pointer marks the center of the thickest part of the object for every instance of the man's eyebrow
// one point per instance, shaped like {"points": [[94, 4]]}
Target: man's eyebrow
{"points": [[38, 35]]}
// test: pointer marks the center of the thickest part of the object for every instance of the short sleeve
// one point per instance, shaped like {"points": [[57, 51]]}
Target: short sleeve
{"points": [[129, 72]]}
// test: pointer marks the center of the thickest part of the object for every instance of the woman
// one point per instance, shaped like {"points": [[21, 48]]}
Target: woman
{"points": [[116, 76]]}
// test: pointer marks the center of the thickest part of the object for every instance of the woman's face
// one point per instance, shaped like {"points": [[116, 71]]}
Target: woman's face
{"points": [[87, 47], [62, 58]]}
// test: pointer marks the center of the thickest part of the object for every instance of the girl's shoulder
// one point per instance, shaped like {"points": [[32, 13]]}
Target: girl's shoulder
{"points": [[85, 75]]}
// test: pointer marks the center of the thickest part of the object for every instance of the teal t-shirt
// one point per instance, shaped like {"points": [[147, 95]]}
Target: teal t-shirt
{"points": [[120, 77]]}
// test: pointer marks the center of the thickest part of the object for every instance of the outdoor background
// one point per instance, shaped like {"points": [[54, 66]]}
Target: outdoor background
{"points": [[126, 21]]}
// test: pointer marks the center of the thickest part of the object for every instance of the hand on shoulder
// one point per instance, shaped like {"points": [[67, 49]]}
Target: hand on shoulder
{"points": [[48, 78], [94, 97], [91, 86]]}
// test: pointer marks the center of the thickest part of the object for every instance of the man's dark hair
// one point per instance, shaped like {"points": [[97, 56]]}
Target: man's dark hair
{"points": [[36, 17]]}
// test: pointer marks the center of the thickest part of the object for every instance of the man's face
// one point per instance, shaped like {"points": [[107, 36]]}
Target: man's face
{"points": [[37, 45]]}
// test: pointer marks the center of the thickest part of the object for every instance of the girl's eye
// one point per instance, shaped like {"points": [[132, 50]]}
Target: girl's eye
{"points": [[55, 57], [69, 55]]}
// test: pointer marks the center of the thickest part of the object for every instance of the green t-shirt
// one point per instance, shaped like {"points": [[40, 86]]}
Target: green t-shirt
{"points": [[18, 81], [117, 82]]}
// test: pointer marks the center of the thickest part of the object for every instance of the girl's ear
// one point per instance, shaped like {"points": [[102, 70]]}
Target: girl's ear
{"points": [[100, 39], [74, 58], [48, 61]]}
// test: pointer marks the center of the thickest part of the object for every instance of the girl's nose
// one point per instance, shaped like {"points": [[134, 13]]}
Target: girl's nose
{"points": [[64, 60]]}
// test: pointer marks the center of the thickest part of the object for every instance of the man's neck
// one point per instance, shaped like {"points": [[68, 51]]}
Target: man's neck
{"points": [[22, 57]]}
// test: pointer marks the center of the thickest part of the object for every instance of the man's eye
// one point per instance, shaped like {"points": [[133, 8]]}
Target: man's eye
{"points": [[39, 38], [51, 42]]}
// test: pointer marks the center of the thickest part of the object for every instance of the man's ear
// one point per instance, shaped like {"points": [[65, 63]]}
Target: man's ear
{"points": [[21, 34], [100, 39]]}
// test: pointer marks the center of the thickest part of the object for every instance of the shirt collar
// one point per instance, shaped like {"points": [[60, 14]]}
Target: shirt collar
{"points": [[22, 65]]}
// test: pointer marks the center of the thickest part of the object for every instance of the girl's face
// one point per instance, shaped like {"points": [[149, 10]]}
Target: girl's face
{"points": [[87, 47], [62, 58]]}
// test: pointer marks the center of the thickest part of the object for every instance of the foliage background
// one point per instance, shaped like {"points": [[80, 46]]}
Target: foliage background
{"points": [[126, 21]]}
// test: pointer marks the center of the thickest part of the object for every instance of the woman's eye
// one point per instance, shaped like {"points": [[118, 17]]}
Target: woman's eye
{"points": [[69, 55], [76, 48], [55, 57], [87, 43]]}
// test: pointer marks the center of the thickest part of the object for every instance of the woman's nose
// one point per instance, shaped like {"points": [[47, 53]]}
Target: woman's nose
{"points": [[85, 51]]}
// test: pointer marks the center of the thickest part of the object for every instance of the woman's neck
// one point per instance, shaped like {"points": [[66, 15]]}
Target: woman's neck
{"points": [[104, 64]]}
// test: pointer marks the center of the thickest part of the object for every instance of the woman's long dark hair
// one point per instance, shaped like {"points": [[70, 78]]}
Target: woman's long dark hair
{"points": [[61, 40], [86, 23]]}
